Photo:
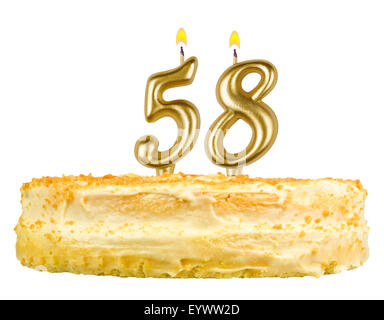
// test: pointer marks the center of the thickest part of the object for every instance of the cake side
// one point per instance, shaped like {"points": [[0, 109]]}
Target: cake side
{"points": [[192, 226]]}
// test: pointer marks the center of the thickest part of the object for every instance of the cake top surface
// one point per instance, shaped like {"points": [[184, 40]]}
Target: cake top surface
{"points": [[214, 180]]}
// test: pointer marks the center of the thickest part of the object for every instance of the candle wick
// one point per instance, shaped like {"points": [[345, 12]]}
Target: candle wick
{"points": [[181, 55], [234, 56]]}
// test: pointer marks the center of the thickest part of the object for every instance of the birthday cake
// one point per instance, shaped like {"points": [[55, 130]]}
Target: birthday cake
{"points": [[185, 226]]}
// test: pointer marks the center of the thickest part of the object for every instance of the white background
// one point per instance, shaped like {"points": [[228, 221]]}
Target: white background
{"points": [[72, 81]]}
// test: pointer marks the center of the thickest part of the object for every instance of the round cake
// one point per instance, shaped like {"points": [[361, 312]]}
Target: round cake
{"points": [[185, 226]]}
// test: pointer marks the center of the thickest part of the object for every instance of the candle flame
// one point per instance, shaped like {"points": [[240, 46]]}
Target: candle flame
{"points": [[181, 37], [234, 39]]}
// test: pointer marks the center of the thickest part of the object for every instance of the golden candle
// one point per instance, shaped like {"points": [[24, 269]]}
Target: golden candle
{"points": [[248, 106], [183, 112]]}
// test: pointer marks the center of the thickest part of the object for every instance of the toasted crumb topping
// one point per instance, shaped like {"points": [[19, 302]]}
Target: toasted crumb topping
{"points": [[132, 179]]}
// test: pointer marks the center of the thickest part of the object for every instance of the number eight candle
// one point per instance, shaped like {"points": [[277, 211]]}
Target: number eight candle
{"points": [[248, 106]]}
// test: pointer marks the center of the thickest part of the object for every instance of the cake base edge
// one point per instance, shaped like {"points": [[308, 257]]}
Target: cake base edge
{"points": [[37, 251]]}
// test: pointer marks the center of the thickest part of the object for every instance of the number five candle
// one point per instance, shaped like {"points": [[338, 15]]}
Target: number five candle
{"points": [[183, 112], [248, 106]]}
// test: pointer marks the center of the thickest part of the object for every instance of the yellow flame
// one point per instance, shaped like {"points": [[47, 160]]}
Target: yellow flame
{"points": [[181, 36], [234, 39]]}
